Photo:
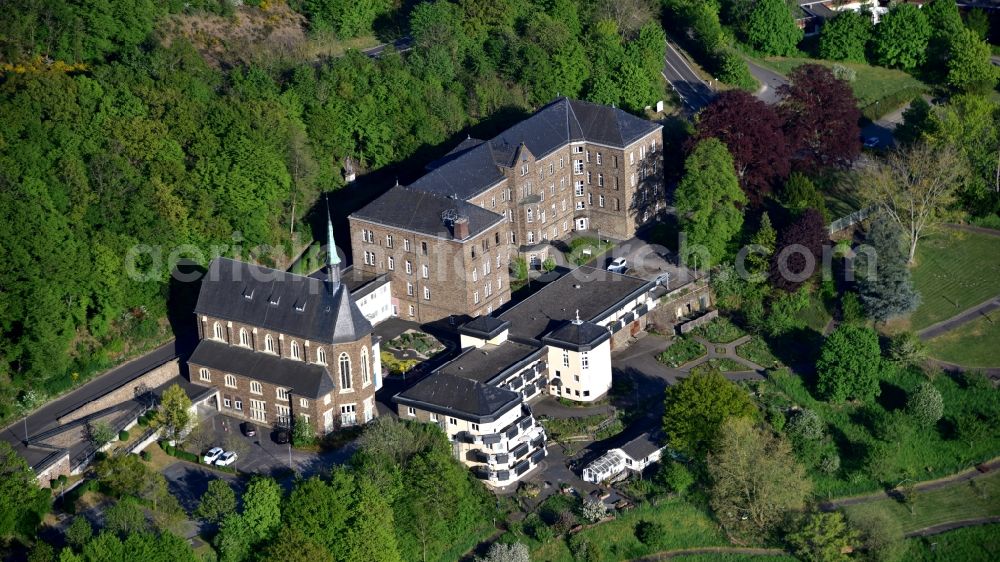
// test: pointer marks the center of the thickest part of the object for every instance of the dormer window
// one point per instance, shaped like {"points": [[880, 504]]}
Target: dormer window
{"points": [[300, 306], [274, 300], [248, 295]]}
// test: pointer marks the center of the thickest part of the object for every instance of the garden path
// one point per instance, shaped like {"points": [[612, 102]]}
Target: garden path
{"points": [[667, 554], [728, 353], [967, 315]]}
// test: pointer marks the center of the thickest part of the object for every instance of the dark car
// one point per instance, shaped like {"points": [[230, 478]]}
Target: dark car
{"points": [[282, 437], [249, 430]]}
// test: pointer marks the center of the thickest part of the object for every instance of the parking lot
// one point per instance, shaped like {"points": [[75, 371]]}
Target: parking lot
{"points": [[647, 261], [262, 455]]}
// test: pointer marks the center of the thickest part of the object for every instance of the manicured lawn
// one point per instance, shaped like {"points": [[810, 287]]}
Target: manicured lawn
{"points": [[961, 545], [683, 350], [954, 271], [962, 500], [757, 350], [687, 526], [971, 345], [583, 250], [815, 314], [720, 330], [891, 88], [915, 453]]}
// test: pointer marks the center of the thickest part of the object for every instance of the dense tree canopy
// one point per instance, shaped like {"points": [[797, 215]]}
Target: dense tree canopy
{"points": [[696, 408], [708, 201], [799, 251], [752, 131], [770, 28], [845, 37], [901, 37], [849, 364], [969, 65], [886, 289], [821, 118]]}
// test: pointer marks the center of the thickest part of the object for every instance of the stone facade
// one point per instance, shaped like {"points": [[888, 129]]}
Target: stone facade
{"points": [[271, 406], [61, 467], [436, 277]]}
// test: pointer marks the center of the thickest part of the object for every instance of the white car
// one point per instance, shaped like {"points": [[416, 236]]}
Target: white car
{"points": [[619, 265], [212, 455], [227, 458]]}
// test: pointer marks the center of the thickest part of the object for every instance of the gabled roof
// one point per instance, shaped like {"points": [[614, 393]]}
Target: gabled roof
{"points": [[305, 379], [468, 170], [490, 362], [642, 446], [577, 336], [292, 304], [462, 147], [423, 212], [459, 397]]}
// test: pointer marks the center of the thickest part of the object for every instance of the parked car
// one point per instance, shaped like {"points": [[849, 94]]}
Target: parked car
{"points": [[212, 455], [227, 458], [871, 142], [249, 429], [619, 265], [282, 437]]}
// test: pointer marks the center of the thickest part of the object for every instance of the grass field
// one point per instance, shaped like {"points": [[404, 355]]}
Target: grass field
{"points": [[961, 500], [758, 351], [872, 83], [955, 270], [730, 557], [961, 545], [970, 345], [911, 452], [686, 525]]}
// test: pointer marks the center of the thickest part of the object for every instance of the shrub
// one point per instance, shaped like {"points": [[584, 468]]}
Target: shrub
{"points": [[829, 462], [851, 309], [142, 421], [593, 510], [651, 533], [844, 73], [925, 404], [549, 264], [733, 70], [776, 418], [676, 476], [146, 456], [806, 425], [123, 435]]}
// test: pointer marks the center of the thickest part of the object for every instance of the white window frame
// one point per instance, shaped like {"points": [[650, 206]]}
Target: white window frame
{"points": [[205, 375]]}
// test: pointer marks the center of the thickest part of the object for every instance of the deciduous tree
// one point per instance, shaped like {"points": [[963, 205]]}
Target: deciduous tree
{"points": [[822, 537], [849, 365], [174, 412], [901, 37], [696, 408], [752, 131], [708, 199], [755, 479], [502, 552], [19, 495], [914, 188], [925, 404], [970, 68], [293, 546], [771, 29], [218, 501], [845, 37], [799, 251], [821, 117]]}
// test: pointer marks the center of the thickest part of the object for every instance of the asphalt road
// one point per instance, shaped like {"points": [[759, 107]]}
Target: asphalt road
{"points": [[402, 44], [45, 417], [769, 80], [693, 91]]}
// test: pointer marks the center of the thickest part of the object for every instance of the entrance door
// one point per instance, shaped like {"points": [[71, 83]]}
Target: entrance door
{"points": [[581, 223]]}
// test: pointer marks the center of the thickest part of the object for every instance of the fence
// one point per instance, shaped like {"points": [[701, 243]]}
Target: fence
{"points": [[850, 220]]}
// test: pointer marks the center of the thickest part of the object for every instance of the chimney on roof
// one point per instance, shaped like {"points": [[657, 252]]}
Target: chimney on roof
{"points": [[460, 228]]}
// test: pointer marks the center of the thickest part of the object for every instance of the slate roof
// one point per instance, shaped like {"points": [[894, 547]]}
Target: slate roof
{"points": [[421, 211], [579, 337], [592, 292], [642, 446], [465, 398], [306, 379], [468, 170], [488, 362], [485, 327], [462, 147], [292, 304]]}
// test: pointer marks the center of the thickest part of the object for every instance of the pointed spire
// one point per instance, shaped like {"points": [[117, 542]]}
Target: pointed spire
{"points": [[332, 258]]}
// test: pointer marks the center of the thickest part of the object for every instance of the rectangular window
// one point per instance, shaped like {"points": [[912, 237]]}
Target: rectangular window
{"points": [[427, 294], [578, 149], [434, 417], [584, 360], [599, 162], [642, 152], [552, 168], [238, 404], [600, 200], [475, 274], [588, 156], [577, 167], [409, 267], [453, 421], [282, 394], [303, 403], [284, 413], [616, 182], [580, 205], [600, 180], [423, 248], [409, 288], [524, 169], [631, 158], [411, 411], [565, 358], [578, 189], [562, 163], [475, 297], [390, 262], [425, 271], [617, 206], [588, 178], [475, 427], [258, 410], [652, 146], [227, 403], [406, 244], [614, 160], [388, 240], [590, 198], [411, 310]]}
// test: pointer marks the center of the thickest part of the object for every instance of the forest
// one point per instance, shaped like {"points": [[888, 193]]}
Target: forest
{"points": [[123, 145]]}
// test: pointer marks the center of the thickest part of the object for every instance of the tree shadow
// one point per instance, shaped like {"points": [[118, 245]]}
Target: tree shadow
{"points": [[852, 454], [182, 295], [891, 397]]}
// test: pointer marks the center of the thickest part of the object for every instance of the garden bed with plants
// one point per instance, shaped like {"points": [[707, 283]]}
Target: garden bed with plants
{"points": [[757, 350], [682, 350], [720, 330]]}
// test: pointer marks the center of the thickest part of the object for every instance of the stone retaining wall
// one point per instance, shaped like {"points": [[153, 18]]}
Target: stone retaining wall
{"points": [[148, 381]]}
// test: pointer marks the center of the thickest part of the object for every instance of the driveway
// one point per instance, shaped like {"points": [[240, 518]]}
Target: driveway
{"points": [[769, 80], [647, 261], [188, 482]]}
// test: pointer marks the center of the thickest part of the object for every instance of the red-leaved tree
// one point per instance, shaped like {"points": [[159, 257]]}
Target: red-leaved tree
{"points": [[752, 131], [821, 119], [790, 266]]}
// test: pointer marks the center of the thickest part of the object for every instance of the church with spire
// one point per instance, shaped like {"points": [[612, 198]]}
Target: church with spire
{"points": [[282, 348]]}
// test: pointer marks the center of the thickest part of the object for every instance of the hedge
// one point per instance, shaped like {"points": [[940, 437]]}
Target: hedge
{"points": [[891, 102], [123, 435]]}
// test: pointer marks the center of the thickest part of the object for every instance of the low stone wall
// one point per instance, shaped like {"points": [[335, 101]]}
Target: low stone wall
{"points": [[700, 321], [149, 381], [55, 470]]}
